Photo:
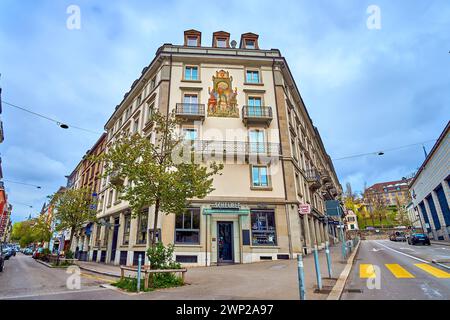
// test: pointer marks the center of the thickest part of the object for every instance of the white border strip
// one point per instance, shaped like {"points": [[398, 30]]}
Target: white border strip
{"points": [[405, 254]]}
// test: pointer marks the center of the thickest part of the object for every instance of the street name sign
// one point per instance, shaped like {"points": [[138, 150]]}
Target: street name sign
{"points": [[304, 209]]}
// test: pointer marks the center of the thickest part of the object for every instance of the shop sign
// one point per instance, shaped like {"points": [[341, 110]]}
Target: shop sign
{"points": [[304, 209], [226, 205]]}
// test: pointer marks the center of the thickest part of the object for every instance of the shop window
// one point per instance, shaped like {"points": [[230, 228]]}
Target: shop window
{"points": [[126, 229], [191, 73], [186, 259], [187, 226], [142, 228], [252, 76], [263, 228], [260, 177]]}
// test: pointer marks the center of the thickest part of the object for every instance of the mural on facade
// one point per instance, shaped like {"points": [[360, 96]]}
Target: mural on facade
{"points": [[222, 100]]}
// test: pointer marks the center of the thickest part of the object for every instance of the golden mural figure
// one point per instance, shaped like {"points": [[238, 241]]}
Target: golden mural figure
{"points": [[222, 100]]}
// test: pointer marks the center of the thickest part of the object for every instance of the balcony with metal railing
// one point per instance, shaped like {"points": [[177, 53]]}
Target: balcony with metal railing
{"points": [[225, 149], [313, 178], [190, 111], [257, 115]]}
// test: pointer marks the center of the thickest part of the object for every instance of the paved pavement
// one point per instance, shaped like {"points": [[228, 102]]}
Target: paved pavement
{"points": [[25, 278], [405, 272]]}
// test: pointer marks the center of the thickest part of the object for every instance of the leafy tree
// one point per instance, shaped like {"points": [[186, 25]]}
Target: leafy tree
{"points": [[163, 174], [72, 209], [41, 230], [21, 232]]}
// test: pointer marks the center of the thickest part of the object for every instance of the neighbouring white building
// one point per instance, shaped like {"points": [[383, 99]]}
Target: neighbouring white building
{"points": [[430, 189], [351, 220]]}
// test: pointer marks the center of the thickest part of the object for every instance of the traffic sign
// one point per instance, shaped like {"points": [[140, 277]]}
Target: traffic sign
{"points": [[304, 208]]}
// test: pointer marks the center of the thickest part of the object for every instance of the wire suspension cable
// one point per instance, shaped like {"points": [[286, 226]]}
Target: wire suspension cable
{"points": [[59, 123], [380, 152], [23, 183]]}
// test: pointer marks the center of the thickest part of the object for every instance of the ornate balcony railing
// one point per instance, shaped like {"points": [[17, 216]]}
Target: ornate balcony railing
{"points": [[313, 178], [260, 114], [190, 111]]}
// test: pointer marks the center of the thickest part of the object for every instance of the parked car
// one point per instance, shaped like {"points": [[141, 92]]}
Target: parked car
{"points": [[27, 251], [37, 253], [7, 252], [2, 258], [416, 238], [397, 236]]}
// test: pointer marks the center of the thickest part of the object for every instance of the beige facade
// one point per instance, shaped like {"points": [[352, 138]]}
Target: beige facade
{"points": [[244, 103]]}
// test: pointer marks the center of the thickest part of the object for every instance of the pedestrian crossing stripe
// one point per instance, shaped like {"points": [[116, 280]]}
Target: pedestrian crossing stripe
{"points": [[398, 271], [366, 271], [438, 273]]}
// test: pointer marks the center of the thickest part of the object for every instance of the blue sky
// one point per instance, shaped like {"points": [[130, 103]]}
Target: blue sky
{"points": [[365, 90]]}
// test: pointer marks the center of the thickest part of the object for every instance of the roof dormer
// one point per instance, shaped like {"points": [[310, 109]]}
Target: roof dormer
{"points": [[192, 38], [221, 39], [249, 40]]}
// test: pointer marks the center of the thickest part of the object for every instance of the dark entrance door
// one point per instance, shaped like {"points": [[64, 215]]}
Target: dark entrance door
{"points": [[225, 242], [114, 239]]}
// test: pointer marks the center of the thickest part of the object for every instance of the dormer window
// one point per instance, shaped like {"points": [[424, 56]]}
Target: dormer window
{"points": [[192, 38], [221, 39], [249, 41]]}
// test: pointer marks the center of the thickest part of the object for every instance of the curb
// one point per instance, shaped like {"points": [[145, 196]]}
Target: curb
{"points": [[338, 288], [109, 274], [441, 265], [443, 243]]}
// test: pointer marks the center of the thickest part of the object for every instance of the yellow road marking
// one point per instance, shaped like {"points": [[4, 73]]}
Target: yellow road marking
{"points": [[366, 271], [438, 273], [96, 278], [398, 271]]}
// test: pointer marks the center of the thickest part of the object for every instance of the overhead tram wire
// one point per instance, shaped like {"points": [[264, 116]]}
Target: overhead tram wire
{"points": [[23, 183], [61, 124], [382, 152]]}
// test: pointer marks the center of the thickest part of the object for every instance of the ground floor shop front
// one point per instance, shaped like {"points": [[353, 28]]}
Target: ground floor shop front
{"points": [[208, 234]]}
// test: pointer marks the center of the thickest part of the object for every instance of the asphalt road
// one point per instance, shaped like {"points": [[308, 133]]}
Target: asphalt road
{"points": [[405, 272], [24, 278]]}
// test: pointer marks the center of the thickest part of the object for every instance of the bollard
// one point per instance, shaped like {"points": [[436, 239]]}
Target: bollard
{"points": [[301, 277], [316, 263], [344, 249], [139, 274], [327, 252]]}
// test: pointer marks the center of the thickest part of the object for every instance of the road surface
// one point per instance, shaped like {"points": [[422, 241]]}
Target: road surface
{"points": [[24, 278], [385, 270]]}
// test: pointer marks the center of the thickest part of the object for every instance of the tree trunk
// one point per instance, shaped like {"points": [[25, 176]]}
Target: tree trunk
{"points": [[72, 233]]}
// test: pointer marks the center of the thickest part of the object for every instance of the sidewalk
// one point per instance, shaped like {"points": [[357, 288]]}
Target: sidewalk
{"points": [[440, 242], [264, 280]]}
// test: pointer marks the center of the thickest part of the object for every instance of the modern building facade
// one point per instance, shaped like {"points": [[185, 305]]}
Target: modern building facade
{"points": [[239, 105], [430, 189]]}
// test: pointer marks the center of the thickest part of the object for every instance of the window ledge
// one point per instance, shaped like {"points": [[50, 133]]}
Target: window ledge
{"points": [[188, 245], [253, 84], [261, 188], [194, 81], [264, 247], [140, 245]]}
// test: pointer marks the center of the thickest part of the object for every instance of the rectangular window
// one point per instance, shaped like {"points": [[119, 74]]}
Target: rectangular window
{"points": [[260, 177], [252, 76], [126, 229], [153, 83], [138, 101], [263, 228], [250, 44], [150, 110], [221, 42], [190, 134], [192, 41], [254, 107], [97, 236], [110, 197], [136, 126], [191, 73], [190, 103], [257, 141], [190, 98], [187, 226], [142, 227]]}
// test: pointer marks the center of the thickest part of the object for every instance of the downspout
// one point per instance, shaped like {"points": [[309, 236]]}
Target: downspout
{"points": [[282, 163]]}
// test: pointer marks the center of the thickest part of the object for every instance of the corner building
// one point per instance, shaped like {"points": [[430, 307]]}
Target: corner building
{"points": [[238, 104]]}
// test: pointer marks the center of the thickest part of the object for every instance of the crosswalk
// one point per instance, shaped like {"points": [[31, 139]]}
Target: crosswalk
{"points": [[400, 272]]}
